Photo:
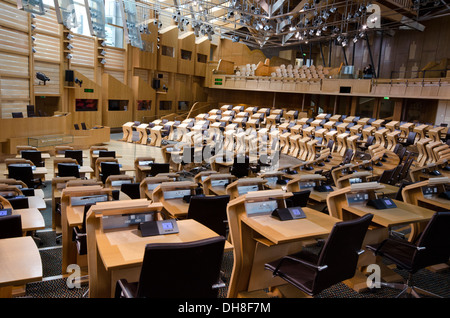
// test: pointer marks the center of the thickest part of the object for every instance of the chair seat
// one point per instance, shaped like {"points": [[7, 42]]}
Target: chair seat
{"points": [[397, 251], [296, 273]]}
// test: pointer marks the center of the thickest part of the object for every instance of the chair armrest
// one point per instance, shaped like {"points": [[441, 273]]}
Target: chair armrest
{"points": [[316, 267]]}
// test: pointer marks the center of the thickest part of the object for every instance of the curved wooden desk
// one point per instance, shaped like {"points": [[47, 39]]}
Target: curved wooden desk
{"points": [[118, 253], [20, 263], [382, 221], [259, 239], [175, 206]]}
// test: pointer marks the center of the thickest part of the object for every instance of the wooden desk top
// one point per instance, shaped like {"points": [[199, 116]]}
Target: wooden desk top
{"points": [[176, 207], [404, 213], [125, 247], [75, 215], [36, 202], [20, 262], [82, 169], [31, 219], [436, 201], [315, 224]]}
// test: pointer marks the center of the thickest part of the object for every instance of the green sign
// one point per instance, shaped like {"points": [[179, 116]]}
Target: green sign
{"points": [[88, 90]]}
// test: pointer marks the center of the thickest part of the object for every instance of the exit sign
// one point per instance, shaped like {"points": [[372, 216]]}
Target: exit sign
{"points": [[88, 90]]}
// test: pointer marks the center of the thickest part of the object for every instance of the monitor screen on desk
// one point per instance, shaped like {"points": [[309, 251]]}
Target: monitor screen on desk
{"points": [[260, 207], [89, 199], [176, 194], [145, 162], [125, 220], [355, 180], [244, 189]]}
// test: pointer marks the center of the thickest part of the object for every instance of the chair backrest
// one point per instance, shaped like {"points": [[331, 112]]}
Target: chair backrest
{"points": [[18, 203], [182, 269], [299, 198], [17, 115], [340, 252], [131, 189], [434, 242], [411, 137], [68, 170], [159, 168], [76, 126], [370, 140], [386, 176], [211, 211], [241, 166], [108, 169], [106, 153], [22, 173], [75, 154], [83, 126], [34, 156], [347, 158], [10, 226]]}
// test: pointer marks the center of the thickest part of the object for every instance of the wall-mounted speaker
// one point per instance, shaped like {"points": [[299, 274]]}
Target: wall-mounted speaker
{"points": [[156, 83], [69, 76]]}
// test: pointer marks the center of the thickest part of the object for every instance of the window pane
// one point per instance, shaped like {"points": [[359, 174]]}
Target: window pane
{"points": [[83, 25], [365, 107], [386, 108], [114, 36], [113, 13]]}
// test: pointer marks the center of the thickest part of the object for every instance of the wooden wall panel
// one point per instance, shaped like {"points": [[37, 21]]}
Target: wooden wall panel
{"points": [[13, 18], [48, 23], [14, 41], [115, 58], [83, 51], [11, 106], [118, 75], [51, 87], [48, 48], [14, 65], [14, 88], [86, 71]]}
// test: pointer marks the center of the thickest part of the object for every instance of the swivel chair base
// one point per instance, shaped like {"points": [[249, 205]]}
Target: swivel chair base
{"points": [[408, 289]]}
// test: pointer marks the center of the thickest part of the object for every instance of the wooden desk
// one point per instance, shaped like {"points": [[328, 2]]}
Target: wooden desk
{"points": [[382, 221], [176, 207], [118, 253], [261, 238], [210, 186], [20, 263], [32, 219], [72, 216], [435, 203]]}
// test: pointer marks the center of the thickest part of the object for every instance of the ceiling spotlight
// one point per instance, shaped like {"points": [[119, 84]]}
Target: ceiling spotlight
{"points": [[235, 38], [103, 61], [332, 10], [344, 42], [339, 38], [69, 36], [364, 26], [297, 35], [355, 39], [324, 28], [33, 50], [361, 34], [319, 31], [69, 56], [69, 46]]}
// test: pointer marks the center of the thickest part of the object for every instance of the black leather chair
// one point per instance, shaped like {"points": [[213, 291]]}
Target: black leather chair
{"points": [[76, 126], [131, 189], [75, 154], [335, 263], [83, 126], [106, 153], [177, 270], [241, 166], [17, 115], [25, 174], [369, 142], [34, 156], [68, 170], [10, 226], [159, 168], [299, 198], [108, 169], [210, 211], [432, 247], [19, 202], [409, 139], [79, 234]]}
